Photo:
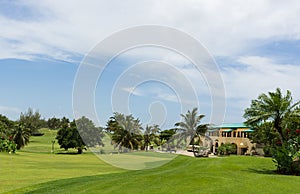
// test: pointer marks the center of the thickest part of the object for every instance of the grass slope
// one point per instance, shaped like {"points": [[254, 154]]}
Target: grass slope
{"points": [[35, 164], [183, 175], [42, 172]]}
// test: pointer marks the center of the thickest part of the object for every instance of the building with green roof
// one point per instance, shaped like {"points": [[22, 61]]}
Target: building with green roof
{"points": [[234, 133]]}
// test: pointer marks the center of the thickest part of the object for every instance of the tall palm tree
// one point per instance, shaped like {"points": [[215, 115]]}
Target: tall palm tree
{"points": [[191, 127], [274, 107], [20, 135]]}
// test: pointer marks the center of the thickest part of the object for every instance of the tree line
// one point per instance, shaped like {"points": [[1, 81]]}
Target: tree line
{"points": [[273, 116], [125, 131]]}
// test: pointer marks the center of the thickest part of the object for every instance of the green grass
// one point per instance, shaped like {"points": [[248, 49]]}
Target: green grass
{"points": [[137, 160], [35, 164], [42, 172]]}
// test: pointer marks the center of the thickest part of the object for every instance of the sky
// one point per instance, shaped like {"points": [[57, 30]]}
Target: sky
{"points": [[255, 45]]}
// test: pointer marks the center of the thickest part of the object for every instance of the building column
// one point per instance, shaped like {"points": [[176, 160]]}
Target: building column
{"points": [[239, 150]]}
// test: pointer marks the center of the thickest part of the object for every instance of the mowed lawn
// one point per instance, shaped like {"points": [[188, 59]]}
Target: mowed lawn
{"points": [[36, 164], [42, 172]]}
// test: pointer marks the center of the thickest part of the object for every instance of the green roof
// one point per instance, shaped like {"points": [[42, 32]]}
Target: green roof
{"points": [[231, 126]]}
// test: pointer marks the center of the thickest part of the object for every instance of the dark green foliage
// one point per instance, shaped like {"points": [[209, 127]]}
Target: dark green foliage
{"points": [[150, 136], [7, 145], [69, 137], [227, 149], [20, 135], [38, 134], [31, 120], [125, 131], [264, 134], [90, 134], [65, 122], [276, 120], [166, 135], [286, 157], [147, 137], [6, 126], [275, 108], [53, 123]]}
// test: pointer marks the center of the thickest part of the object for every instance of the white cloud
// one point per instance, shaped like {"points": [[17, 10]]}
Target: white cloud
{"points": [[256, 75], [226, 28], [133, 91]]}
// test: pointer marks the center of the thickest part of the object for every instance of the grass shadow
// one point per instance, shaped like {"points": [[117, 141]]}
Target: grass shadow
{"points": [[262, 171], [68, 153]]}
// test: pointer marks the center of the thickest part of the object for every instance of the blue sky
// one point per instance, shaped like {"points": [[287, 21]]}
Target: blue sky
{"points": [[256, 45]]}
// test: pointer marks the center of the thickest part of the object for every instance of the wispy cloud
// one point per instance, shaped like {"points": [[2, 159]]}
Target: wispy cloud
{"points": [[133, 91], [54, 30], [226, 28], [256, 75]]}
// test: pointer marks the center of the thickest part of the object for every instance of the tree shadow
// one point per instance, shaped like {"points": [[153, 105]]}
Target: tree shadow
{"points": [[262, 171], [68, 153]]}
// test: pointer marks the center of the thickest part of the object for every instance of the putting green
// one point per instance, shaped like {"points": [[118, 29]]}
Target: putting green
{"points": [[137, 160]]}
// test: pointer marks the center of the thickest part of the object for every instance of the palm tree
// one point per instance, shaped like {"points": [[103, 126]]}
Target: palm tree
{"points": [[128, 132], [20, 135], [155, 129], [191, 127], [148, 136], [274, 107]]}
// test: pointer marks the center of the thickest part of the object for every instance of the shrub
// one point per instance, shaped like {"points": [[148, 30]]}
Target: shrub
{"points": [[287, 156], [7, 145], [267, 151], [37, 134], [226, 149]]}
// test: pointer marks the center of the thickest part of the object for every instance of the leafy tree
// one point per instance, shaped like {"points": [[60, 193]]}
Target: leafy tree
{"points": [[125, 131], [91, 134], [69, 137], [53, 123], [273, 107], [31, 120], [6, 126], [266, 135], [20, 135], [167, 134], [165, 138], [271, 115], [191, 127], [65, 122], [286, 156]]}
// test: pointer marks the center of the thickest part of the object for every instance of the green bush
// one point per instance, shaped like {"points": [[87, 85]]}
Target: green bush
{"points": [[7, 145], [227, 149], [267, 151], [286, 157]]}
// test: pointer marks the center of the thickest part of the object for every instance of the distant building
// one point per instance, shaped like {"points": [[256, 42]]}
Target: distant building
{"points": [[234, 133]]}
